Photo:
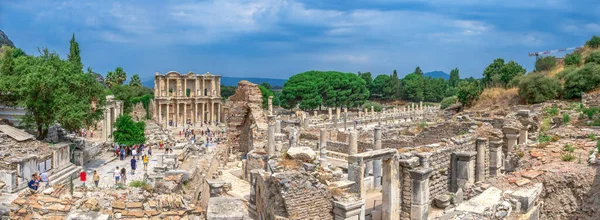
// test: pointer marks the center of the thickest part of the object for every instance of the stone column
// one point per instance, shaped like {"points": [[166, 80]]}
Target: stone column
{"points": [[523, 135], [270, 105], [337, 113], [356, 169], [167, 121], [359, 114], [353, 145], [194, 112], [184, 114], [323, 148], [495, 158], [329, 111], [277, 126], [315, 113], [391, 199], [201, 105], [212, 112], [372, 110], [203, 87], [105, 125], [412, 108], [218, 112], [159, 113], [481, 144], [366, 112], [377, 163], [424, 159], [511, 142], [185, 87], [419, 203], [369, 165], [271, 137], [345, 121], [463, 170], [421, 106]]}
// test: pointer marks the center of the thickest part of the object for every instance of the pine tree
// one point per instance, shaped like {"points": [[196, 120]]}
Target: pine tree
{"points": [[454, 77], [74, 56], [418, 71]]}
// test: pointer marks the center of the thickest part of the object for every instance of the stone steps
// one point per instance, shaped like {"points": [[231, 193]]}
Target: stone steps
{"points": [[65, 174]]}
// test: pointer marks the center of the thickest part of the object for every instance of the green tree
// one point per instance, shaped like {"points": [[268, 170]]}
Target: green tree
{"points": [[594, 42], [381, 86], [368, 79], [266, 85], [135, 81], [418, 71], [129, 132], [545, 63], [581, 80], [115, 78], [74, 52], [265, 95], [594, 57], [413, 85], [128, 94], [537, 88], [573, 59], [448, 101], [467, 92], [509, 71], [227, 91], [454, 77], [434, 89], [492, 73]]}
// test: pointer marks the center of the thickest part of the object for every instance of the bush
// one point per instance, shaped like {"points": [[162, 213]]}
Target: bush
{"points": [[467, 92], [545, 124], [594, 42], [536, 88], [376, 106], [569, 148], [592, 137], [590, 112], [545, 63], [594, 57], [582, 80], [448, 101], [552, 111], [573, 59], [566, 118], [137, 183], [567, 157], [544, 138]]}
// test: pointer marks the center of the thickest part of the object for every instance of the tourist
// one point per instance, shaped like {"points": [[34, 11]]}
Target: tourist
{"points": [[117, 175], [122, 153], [118, 153], [160, 144], [171, 150], [123, 175], [133, 164], [45, 179], [96, 178], [33, 185], [82, 177], [145, 160], [150, 151], [133, 152]]}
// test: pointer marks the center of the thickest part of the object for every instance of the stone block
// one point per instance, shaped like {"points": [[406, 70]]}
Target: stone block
{"points": [[309, 167], [482, 202], [528, 196], [302, 153]]}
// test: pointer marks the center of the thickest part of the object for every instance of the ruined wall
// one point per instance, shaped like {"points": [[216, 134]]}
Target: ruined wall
{"points": [[245, 119], [337, 147]]}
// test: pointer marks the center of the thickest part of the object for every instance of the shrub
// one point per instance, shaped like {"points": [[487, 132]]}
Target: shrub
{"points": [[137, 183], [544, 138], [581, 80], [467, 92], [573, 59], [545, 124], [569, 148], [536, 88], [592, 137], [546, 63], [566, 118], [376, 106], [552, 111], [448, 101], [567, 157], [590, 112], [594, 42], [594, 57]]}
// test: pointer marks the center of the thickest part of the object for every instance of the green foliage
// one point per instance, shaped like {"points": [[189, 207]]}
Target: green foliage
{"points": [[129, 132], [376, 106], [265, 95], [368, 78], [74, 56], [312, 89], [499, 73], [553, 111], [545, 124], [581, 80], [573, 59], [566, 118], [568, 148], [545, 63], [135, 81], [266, 85], [115, 78], [394, 90], [594, 57], [592, 137], [434, 89], [128, 95], [467, 92], [51, 90], [227, 91], [448, 101], [418, 71], [454, 78], [386, 87], [590, 112], [137, 183], [537, 88], [413, 85], [567, 156], [542, 138], [145, 100], [594, 42]]}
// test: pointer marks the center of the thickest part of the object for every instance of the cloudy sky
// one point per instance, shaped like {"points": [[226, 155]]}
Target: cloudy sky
{"points": [[279, 38]]}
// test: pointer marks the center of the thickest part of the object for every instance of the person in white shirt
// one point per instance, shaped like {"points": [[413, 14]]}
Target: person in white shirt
{"points": [[117, 174], [134, 152]]}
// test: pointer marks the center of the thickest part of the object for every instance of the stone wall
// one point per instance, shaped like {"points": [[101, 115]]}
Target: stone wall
{"points": [[337, 147], [590, 99], [342, 137], [245, 119]]}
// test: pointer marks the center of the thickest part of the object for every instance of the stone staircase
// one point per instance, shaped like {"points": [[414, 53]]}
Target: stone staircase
{"points": [[63, 175]]}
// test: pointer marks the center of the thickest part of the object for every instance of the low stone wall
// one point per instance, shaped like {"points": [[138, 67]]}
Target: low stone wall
{"points": [[337, 147], [309, 136]]}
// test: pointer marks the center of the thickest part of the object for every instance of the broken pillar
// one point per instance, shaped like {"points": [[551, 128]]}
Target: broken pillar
{"points": [[277, 126], [372, 110], [337, 113], [511, 142], [424, 159], [271, 139], [523, 135], [350, 210], [256, 159], [463, 169], [412, 108], [377, 163], [495, 157], [419, 206], [323, 149], [421, 106], [270, 105], [353, 145], [481, 145], [345, 120], [315, 113], [329, 113]]}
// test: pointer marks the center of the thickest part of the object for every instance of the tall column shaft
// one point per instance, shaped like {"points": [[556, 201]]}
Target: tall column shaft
{"points": [[184, 114], [271, 139], [177, 113], [481, 144], [353, 146], [159, 113], [168, 106], [212, 111], [377, 163], [419, 207]]}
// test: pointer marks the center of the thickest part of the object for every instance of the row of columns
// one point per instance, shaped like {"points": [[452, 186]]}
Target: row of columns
{"points": [[198, 111], [163, 86]]}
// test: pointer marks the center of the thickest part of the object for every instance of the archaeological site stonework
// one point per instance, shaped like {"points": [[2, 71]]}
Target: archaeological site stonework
{"points": [[245, 118]]}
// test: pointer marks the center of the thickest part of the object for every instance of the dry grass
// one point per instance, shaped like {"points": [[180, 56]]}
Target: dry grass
{"points": [[336, 192], [495, 98], [424, 149], [289, 164]]}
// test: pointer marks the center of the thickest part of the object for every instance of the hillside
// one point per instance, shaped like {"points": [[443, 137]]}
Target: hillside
{"points": [[437, 74], [4, 40]]}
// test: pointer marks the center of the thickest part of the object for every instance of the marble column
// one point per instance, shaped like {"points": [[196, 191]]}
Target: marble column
{"points": [[271, 137], [184, 114], [421, 106], [167, 121], [212, 112], [194, 113], [345, 121], [160, 121], [315, 113], [372, 110], [481, 144], [511, 141], [329, 112], [337, 113], [419, 206], [523, 135], [391, 199], [277, 126], [495, 158], [218, 112], [270, 105], [323, 148], [369, 165], [377, 163], [353, 145]]}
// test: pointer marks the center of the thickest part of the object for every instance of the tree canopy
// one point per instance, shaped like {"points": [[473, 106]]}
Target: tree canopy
{"points": [[499, 73], [129, 132], [115, 78], [135, 81], [454, 77], [266, 92], [414, 86]]}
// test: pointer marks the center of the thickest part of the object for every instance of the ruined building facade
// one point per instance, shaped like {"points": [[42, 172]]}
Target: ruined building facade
{"points": [[187, 98]]}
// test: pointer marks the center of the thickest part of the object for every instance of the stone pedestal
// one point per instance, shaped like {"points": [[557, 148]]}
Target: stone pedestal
{"points": [[463, 169], [481, 144], [255, 160], [349, 210], [523, 135], [377, 163], [419, 207], [511, 142], [495, 157]]}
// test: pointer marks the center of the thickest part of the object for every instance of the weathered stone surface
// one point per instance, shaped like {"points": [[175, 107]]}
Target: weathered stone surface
{"points": [[302, 153], [245, 118], [220, 208], [528, 196], [118, 205], [484, 201]]}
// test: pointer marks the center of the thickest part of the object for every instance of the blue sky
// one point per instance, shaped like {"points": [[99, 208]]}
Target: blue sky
{"points": [[279, 38]]}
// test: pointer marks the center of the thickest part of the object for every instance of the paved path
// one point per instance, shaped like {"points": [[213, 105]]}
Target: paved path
{"points": [[105, 171]]}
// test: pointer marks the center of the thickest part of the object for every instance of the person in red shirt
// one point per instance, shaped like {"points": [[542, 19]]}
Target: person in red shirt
{"points": [[83, 177]]}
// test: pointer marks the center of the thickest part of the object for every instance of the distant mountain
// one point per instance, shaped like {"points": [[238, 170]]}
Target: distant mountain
{"points": [[233, 81], [437, 74], [4, 40]]}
